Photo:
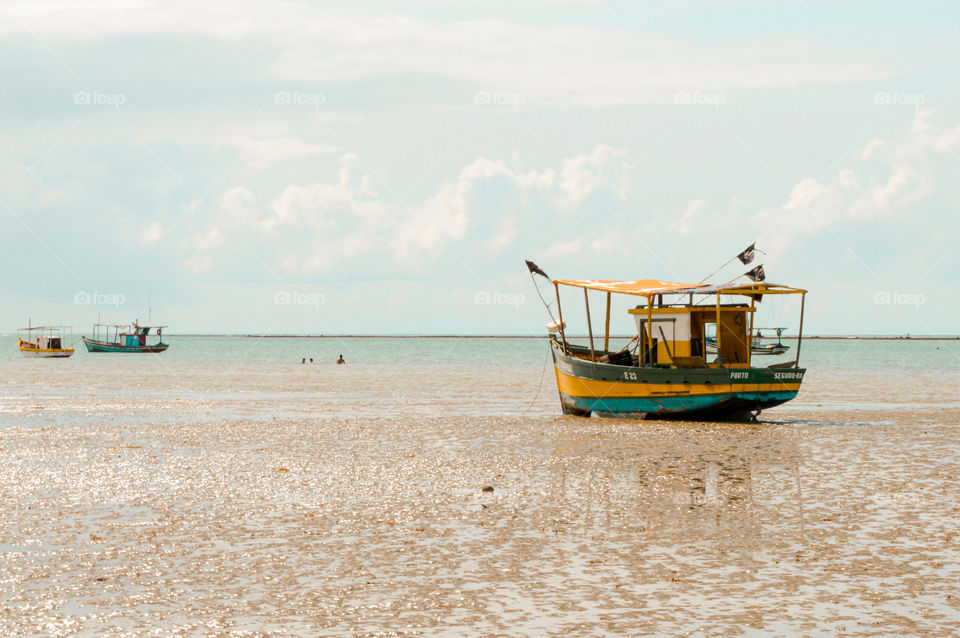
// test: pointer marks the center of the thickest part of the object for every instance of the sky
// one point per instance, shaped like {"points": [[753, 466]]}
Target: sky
{"points": [[385, 168]]}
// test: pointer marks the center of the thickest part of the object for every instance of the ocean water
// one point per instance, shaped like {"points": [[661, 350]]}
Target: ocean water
{"points": [[432, 487]]}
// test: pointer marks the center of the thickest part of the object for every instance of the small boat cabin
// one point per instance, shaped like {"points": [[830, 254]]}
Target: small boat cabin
{"points": [[49, 342], [138, 337], [679, 334]]}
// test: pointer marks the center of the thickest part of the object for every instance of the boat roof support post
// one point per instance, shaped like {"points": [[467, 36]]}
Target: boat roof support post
{"points": [[649, 353], [803, 298], [719, 351], [586, 303], [606, 328], [563, 336], [753, 311]]}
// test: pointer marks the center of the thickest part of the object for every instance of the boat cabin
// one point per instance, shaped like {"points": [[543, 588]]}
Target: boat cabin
{"points": [[679, 334], [49, 342], [136, 338]]}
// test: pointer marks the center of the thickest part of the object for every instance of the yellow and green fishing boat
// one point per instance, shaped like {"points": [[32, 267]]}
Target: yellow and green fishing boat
{"points": [[46, 342], [665, 370]]}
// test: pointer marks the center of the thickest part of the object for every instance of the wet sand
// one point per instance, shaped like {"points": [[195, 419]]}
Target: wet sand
{"points": [[192, 497], [382, 527]]}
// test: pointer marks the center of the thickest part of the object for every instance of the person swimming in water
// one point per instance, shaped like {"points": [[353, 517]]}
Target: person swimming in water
{"points": [[340, 361]]}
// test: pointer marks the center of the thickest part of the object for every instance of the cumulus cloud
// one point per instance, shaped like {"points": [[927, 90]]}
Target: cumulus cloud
{"points": [[239, 207], [896, 176], [583, 211], [321, 225]]}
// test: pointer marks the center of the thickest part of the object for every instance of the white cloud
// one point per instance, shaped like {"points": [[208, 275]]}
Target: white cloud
{"points": [[198, 263], [239, 207], [321, 225], [902, 173], [261, 153], [692, 217], [584, 174], [210, 239], [202, 247], [314, 43], [259, 144], [152, 233]]}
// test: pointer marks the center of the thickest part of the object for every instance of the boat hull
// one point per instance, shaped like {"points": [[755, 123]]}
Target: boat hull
{"points": [[640, 392], [772, 349], [29, 350], [768, 349], [105, 346]]}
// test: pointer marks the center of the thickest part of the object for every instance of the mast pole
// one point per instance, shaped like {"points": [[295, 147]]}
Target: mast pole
{"points": [[719, 330], [717, 270], [753, 245], [563, 336], [606, 329], [586, 302], [649, 353], [753, 311]]}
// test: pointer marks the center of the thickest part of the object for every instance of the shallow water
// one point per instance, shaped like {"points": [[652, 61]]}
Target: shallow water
{"points": [[205, 493]]}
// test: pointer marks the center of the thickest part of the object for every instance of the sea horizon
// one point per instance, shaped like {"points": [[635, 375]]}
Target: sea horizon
{"points": [[281, 335]]}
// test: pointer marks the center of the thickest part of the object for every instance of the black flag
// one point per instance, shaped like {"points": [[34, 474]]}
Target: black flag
{"points": [[756, 274], [535, 269], [747, 255]]}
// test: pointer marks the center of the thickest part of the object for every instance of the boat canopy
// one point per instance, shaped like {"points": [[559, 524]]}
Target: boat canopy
{"points": [[644, 287], [651, 287]]}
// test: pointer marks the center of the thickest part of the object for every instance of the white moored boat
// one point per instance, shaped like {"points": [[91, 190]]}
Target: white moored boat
{"points": [[43, 342]]}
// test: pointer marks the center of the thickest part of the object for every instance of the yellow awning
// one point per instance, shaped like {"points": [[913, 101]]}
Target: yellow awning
{"points": [[650, 287], [645, 287]]}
